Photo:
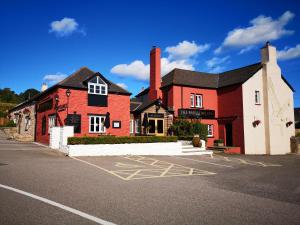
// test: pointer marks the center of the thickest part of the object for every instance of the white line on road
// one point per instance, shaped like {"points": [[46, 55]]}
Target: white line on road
{"points": [[196, 160], [58, 205]]}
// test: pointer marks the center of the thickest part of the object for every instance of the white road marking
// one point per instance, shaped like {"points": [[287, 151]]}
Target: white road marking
{"points": [[196, 160], [58, 205]]}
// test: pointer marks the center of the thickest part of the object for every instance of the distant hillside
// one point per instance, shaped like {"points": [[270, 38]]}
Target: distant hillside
{"points": [[9, 96], [8, 99]]}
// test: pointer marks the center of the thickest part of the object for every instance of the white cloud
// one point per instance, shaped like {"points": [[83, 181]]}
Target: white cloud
{"points": [[122, 85], [289, 53], [216, 64], [54, 78], [247, 49], [216, 61], [216, 69], [262, 29], [179, 56], [140, 71], [186, 49], [136, 69], [65, 27]]}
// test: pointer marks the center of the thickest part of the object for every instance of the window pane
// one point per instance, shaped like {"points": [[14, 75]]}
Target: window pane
{"points": [[91, 88], [192, 100], [103, 90], [97, 89]]}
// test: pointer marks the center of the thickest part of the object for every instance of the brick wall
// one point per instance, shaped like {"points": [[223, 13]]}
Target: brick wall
{"points": [[118, 107]]}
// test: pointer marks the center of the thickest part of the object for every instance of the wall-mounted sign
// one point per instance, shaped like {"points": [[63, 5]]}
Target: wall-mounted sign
{"points": [[116, 124], [47, 105], [196, 113], [74, 120], [155, 115]]}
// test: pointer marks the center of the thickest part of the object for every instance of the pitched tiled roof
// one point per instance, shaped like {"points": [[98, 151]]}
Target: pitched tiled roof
{"points": [[297, 114], [77, 80], [210, 80]]}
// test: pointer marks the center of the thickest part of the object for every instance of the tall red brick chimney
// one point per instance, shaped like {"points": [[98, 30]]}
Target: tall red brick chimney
{"points": [[155, 80]]}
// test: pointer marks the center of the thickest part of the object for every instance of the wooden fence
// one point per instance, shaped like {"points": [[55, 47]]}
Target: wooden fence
{"points": [[3, 121]]}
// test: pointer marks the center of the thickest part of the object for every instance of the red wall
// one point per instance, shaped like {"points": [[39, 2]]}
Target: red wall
{"points": [[230, 104], [179, 97], [118, 107]]}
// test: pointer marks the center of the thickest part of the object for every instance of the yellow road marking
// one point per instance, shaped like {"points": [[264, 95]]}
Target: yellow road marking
{"points": [[196, 160], [247, 162], [161, 169], [124, 165], [99, 167]]}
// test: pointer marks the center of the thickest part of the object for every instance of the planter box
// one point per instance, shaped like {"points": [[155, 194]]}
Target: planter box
{"points": [[165, 148], [219, 144]]}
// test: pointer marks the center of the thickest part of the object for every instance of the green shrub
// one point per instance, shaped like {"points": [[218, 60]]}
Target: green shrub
{"points": [[3, 114], [184, 128], [185, 138], [119, 140], [9, 124], [217, 141], [298, 134]]}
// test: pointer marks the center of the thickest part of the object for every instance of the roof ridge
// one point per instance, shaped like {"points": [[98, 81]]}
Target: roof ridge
{"points": [[73, 74], [240, 68]]}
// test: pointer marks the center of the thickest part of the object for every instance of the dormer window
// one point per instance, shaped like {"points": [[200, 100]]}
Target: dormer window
{"points": [[97, 86]]}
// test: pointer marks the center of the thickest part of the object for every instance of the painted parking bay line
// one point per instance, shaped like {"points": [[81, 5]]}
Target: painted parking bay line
{"points": [[196, 160], [58, 205], [246, 162], [158, 169]]}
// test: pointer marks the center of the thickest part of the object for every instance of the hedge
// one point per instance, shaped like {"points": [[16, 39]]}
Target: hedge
{"points": [[119, 140], [9, 124], [185, 138]]}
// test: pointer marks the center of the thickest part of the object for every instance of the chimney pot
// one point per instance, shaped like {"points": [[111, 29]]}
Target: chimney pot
{"points": [[155, 74]]}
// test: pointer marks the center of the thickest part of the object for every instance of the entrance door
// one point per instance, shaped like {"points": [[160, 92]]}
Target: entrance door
{"points": [[228, 128], [156, 127]]}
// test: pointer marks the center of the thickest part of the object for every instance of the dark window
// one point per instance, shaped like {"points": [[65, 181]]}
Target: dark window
{"points": [[97, 100], [44, 125], [160, 126], [74, 120]]}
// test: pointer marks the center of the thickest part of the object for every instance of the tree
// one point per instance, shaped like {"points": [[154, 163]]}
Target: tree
{"points": [[9, 96], [29, 93]]}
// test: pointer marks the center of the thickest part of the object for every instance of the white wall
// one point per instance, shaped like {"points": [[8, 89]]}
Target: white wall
{"points": [[272, 136], [254, 137], [168, 148]]}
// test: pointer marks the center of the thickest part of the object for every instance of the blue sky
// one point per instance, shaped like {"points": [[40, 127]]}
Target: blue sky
{"points": [[43, 41]]}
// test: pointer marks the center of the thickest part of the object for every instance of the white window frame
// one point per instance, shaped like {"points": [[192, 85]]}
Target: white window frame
{"points": [[100, 84], [210, 130], [137, 126], [102, 128], [192, 100], [198, 101], [51, 122], [27, 123], [131, 126], [257, 97]]}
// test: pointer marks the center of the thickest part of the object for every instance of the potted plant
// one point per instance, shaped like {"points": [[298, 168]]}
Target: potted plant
{"points": [[196, 141], [219, 142]]}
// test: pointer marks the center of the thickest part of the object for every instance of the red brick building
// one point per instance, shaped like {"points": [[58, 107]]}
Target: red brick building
{"points": [[219, 100], [86, 100]]}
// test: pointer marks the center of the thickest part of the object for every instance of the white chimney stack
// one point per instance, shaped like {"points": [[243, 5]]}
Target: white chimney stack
{"points": [[268, 54], [44, 87]]}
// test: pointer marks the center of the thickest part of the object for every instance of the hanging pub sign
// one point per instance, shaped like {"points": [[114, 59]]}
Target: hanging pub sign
{"points": [[196, 113], [74, 120], [155, 115]]}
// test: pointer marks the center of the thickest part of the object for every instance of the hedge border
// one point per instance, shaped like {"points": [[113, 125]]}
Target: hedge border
{"points": [[120, 140]]}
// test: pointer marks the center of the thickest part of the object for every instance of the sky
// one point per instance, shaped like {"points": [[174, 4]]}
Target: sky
{"points": [[45, 41]]}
